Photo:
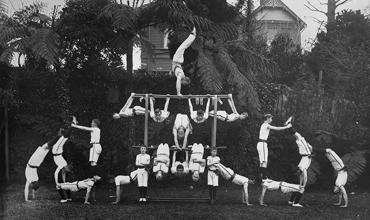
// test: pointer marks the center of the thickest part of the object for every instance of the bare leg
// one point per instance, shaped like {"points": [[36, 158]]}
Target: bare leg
{"points": [[232, 105], [128, 103], [245, 194], [303, 178], [139, 110], [118, 195]]}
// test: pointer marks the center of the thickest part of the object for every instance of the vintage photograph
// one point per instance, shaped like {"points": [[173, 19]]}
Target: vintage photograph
{"points": [[184, 109]]}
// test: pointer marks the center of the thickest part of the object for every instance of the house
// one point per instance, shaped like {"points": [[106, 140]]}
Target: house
{"points": [[273, 17]]}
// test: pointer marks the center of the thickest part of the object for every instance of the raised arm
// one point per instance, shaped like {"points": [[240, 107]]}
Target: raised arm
{"points": [[190, 107], [82, 127], [166, 104], [206, 114], [151, 106]]}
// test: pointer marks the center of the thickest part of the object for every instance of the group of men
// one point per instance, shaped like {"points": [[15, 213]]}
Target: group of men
{"points": [[63, 168], [306, 152]]}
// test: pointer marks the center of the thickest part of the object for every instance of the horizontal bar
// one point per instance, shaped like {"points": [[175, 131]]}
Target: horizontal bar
{"points": [[181, 96], [174, 149]]}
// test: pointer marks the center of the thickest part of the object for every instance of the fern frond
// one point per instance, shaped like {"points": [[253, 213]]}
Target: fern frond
{"points": [[356, 163], [44, 44], [313, 172], [11, 30], [248, 58], [3, 7], [240, 84], [122, 16], [209, 76], [7, 55]]}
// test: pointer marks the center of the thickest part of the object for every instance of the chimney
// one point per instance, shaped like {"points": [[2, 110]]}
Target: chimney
{"points": [[263, 2]]}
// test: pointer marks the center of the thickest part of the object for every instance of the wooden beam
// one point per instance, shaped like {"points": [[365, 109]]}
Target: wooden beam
{"points": [[180, 96], [214, 126], [185, 199], [146, 120]]}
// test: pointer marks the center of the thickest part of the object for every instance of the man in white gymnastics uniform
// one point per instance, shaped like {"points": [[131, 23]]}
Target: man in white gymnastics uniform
{"points": [[212, 176], [342, 176], [162, 162], [159, 115], [234, 116], [230, 175], [76, 186], [124, 180], [199, 116], [181, 130], [196, 163], [95, 148], [262, 143], [178, 60], [284, 187], [126, 111], [31, 169], [142, 161], [180, 166]]}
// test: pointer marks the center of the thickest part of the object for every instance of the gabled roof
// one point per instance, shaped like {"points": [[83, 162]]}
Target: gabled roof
{"points": [[279, 4]]}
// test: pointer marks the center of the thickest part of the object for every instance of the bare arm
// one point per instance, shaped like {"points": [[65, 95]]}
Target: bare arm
{"points": [[174, 159], [190, 107], [137, 161], [262, 196], [279, 128], [166, 104], [56, 173], [87, 196], [174, 131], [151, 106], [26, 190], [147, 161], [207, 109], [187, 156], [185, 142], [82, 127], [178, 84]]}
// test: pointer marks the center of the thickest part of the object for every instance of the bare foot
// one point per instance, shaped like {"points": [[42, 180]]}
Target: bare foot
{"points": [[263, 204], [336, 203], [115, 203], [116, 116], [343, 206], [87, 203]]}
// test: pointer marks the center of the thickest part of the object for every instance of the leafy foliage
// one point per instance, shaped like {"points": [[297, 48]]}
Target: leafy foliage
{"points": [[356, 163]]}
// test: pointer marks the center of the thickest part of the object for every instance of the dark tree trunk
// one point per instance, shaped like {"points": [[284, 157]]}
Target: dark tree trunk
{"points": [[330, 14]]}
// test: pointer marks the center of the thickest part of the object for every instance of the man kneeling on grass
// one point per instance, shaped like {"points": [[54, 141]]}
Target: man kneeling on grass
{"points": [[272, 185], [76, 186]]}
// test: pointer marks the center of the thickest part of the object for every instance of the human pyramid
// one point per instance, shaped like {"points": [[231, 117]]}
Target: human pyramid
{"points": [[186, 158]]}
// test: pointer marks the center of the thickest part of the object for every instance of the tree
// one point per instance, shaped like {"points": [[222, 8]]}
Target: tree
{"points": [[332, 5]]}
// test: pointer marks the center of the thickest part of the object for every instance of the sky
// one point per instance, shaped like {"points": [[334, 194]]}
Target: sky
{"points": [[298, 6]]}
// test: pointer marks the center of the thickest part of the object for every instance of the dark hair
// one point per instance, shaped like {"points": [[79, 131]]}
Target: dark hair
{"points": [[213, 148], [96, 121], [200, 112], [180, 167], [267, 116]]}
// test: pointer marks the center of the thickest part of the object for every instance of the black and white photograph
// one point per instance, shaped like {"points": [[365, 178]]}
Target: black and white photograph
{"points": [[184, 109]]}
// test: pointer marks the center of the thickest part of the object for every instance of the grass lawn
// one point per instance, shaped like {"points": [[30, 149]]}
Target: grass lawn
{"points": [[47, 206]]}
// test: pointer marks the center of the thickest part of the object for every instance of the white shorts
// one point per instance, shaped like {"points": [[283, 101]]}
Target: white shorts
{"points": [[221, 115], [263, 152], [142, 177], [288, 187], [122, 180], [95, 151], [305, 163], [31, 174], [240, 180], [196, 167], [60, 161], [212, 178], [160, 167], [341, 178], [70, 186]]}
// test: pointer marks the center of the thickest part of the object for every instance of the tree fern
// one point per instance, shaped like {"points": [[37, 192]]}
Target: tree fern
{"points": [[210, 77], [356, 163]]}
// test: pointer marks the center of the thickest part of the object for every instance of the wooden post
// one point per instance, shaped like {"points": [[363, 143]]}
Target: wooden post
{"points": [[146, 120], [214, 127], [6, 132]]}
